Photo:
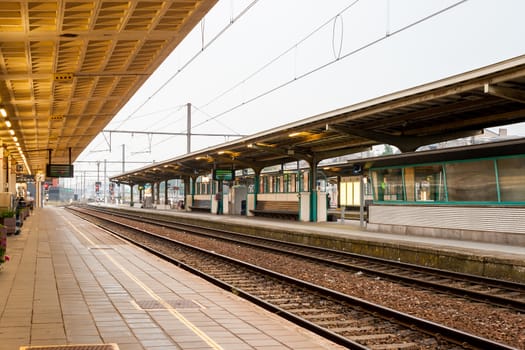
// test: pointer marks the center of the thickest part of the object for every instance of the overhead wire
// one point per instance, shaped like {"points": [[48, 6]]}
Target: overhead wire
{"points": [[320, 67], [204, 122], [233, 20], [337, 58], [191, 59], [275, 59]]}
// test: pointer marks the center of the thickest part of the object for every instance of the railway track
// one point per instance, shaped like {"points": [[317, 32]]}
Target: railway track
{"points": [[500, 293], [349, 321]]}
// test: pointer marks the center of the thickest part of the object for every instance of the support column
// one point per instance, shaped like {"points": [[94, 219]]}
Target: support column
{"points": [[251, 198], [166, 193], [3, 175], [256, 187], [313, 189], [187, 192], [152, 184], [191, 196], [219, 197], [158, 194]]}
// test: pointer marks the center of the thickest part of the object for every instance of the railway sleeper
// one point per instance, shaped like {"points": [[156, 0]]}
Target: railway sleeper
{"points": [[306, 311], [365, 338], [289, 301], [404, 346], [342, 327], [322, 316]]}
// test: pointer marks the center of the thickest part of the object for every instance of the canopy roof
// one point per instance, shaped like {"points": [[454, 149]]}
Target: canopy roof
{"points": [[451, 108], [67, 67]]}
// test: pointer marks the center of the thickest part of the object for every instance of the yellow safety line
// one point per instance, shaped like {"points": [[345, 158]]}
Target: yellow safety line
{"points": [[148, 290]]}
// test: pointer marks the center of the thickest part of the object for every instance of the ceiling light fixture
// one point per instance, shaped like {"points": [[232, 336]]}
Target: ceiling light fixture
{"points": [[8, 123], [3, 112]]}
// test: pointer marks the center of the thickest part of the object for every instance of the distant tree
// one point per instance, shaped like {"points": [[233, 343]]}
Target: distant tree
{"points": [[388, 150]]}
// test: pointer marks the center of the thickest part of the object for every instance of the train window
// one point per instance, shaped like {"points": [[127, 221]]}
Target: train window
{"points": [[471, 181], [511, 178]]}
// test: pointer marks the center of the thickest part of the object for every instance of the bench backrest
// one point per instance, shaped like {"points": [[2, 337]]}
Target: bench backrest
{"points": [[278, 205], [201, 203]]}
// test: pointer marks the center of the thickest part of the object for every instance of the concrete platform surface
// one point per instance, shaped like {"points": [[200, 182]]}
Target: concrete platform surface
{"points": [[70, 283]]}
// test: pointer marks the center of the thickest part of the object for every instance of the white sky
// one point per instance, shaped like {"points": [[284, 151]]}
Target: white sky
{"points": [[235, 90]]}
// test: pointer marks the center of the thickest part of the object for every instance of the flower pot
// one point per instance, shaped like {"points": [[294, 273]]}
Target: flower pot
{"points": [[3, 243], [10, 224]]}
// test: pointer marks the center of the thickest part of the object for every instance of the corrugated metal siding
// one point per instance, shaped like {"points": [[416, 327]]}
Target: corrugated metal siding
{"points": [[511, 220]]}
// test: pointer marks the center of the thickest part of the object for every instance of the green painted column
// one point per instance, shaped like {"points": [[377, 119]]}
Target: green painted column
{"points": [[192, 187], [256, 184], [313, 190], [166, 192]]}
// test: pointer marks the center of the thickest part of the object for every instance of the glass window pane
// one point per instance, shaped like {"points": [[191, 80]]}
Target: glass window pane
{"points": [[429, 183], [511, 175], [388, 184], [471, 181]]}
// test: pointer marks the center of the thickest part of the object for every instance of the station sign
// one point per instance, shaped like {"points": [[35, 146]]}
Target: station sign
{"points": [[21, 178], [224, 174]]}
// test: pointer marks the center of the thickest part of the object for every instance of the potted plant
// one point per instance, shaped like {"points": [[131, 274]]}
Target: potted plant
{"points": [[9, 220], [3, 243]]}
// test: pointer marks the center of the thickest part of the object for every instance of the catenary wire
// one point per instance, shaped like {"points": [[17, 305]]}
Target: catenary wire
{"points": [[318, 68], [190, 60]]}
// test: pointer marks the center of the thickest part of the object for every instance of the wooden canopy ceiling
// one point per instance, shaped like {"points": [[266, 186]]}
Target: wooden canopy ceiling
{"points": [[67, 68]]}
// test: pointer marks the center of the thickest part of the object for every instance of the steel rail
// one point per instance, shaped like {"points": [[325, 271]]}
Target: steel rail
{"points": [[458, 337]]}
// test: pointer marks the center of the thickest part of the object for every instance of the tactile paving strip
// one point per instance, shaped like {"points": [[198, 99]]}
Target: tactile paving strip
{"points": [[72, 347], [176, 304]]}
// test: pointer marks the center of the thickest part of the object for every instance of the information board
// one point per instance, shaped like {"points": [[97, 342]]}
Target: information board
{"points": [[224, 174], [59, 170]]}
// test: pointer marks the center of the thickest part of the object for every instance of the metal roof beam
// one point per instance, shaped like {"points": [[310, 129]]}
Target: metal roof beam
{"points": [[405, 143], [340, 152], [292, 153], [506, 93]]}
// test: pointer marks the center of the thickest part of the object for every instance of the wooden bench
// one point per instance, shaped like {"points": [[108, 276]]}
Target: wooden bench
{"points": [[201, 205], [277, 209]]}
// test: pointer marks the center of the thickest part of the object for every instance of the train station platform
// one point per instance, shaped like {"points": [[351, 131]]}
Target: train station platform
{"points": [[501, 261], [70, 283]]}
